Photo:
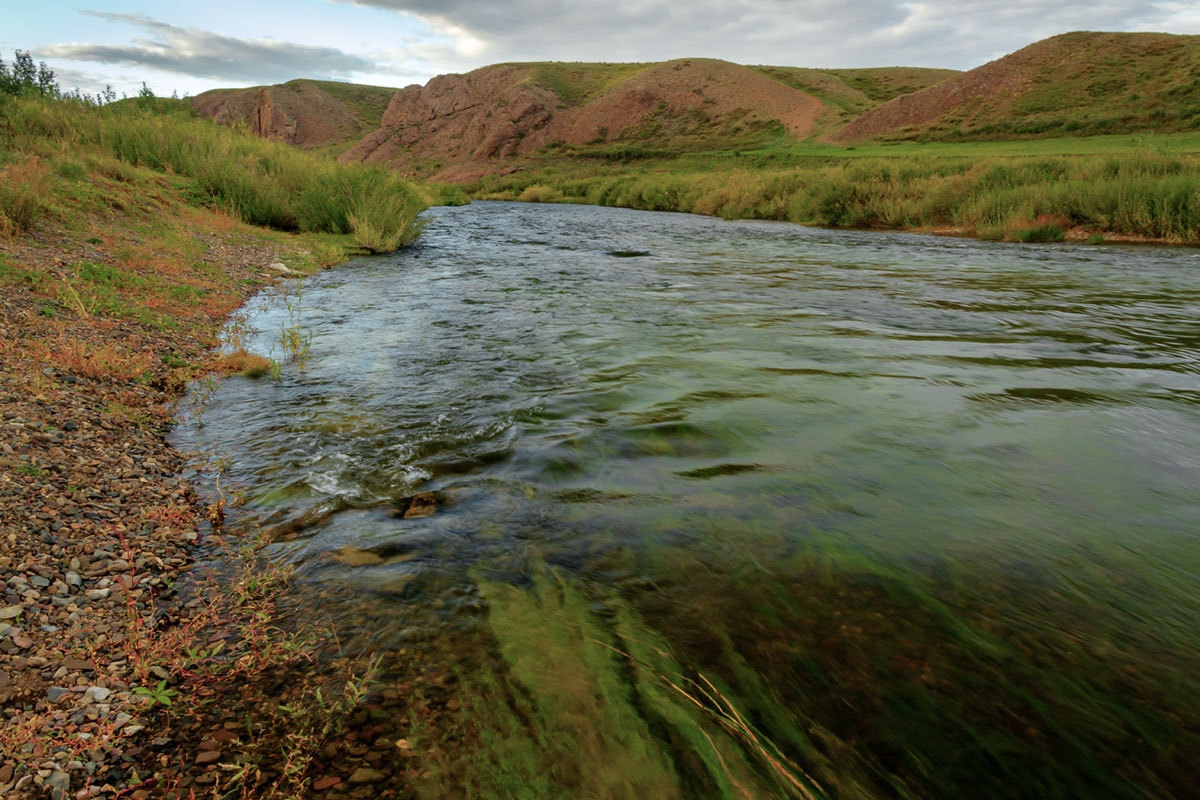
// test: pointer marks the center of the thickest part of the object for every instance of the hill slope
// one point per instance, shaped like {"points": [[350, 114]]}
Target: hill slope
{"points": [[1076, 83], [306, 113], [855, 91], [456, 126]]}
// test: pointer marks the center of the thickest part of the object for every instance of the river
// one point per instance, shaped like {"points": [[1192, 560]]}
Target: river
{"points": [[746, 508]]}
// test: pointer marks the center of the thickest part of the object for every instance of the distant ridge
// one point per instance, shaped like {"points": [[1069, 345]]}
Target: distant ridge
{"points": [[491, 120], [305, 113], [1074, 84]]}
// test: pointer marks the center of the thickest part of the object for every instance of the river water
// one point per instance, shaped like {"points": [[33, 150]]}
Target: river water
{"points": [[749, 509]]}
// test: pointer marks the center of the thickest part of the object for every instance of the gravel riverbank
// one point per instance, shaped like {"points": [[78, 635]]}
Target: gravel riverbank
{"points": [[96, 525]]}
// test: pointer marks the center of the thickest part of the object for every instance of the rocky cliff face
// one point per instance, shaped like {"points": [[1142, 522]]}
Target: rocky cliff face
{"points": [[458, 127], [458, 119]]}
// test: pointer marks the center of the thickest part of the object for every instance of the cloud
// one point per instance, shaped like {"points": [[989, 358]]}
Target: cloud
{"points": [[201, 53], [828, 33]]}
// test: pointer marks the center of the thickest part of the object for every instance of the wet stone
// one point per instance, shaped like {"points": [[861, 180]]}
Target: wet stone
{"points": [[364, 775]]}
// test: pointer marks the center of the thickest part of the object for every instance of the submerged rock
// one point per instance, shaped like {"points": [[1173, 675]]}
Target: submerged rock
{"points": [[421, 505], [353, 557]]}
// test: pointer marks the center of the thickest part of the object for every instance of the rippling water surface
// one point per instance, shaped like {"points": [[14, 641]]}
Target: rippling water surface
{"points": [[921, 515]]}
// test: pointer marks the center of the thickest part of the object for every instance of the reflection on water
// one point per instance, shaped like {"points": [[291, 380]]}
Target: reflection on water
{"points": [[743, 508]]}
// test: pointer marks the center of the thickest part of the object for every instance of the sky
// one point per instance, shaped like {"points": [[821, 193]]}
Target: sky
{"points": [[189, 47]]}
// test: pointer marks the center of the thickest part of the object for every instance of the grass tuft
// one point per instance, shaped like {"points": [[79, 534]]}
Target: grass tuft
{"points": [[23, 187]]}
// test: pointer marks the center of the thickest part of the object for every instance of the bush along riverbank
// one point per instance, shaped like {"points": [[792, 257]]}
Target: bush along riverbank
{"points": [[1134, 194], [141, 653]]}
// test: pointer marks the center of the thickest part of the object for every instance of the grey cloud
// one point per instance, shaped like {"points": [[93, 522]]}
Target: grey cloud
{"points": [[195, 52], [826, 33]]}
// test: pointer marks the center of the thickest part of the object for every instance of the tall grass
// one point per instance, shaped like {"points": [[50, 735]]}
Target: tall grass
{"points": [[262, 183], [23, 187], [1147, 194]]}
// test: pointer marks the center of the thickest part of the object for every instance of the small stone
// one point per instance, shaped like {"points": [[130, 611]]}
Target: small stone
{"points": [[56, 693], [353, 557], [22, 641], [208, 757], [60, 785], [328, 782], [11, 612], [367, 775], [99, 693]]}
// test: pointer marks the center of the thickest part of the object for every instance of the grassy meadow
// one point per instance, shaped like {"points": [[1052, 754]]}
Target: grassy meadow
{"points": [[1115, 187]]}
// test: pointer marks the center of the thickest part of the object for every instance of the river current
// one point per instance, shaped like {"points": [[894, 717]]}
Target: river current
{"points": [[750, 509]]}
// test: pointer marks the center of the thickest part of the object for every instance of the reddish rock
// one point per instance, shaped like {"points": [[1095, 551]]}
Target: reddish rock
{"points": [[328, 782]]}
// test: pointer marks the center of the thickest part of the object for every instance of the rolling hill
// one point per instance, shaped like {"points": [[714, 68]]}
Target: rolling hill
{"points": [[1073, 84], [306, 113], [457, 126], [491, 120]]}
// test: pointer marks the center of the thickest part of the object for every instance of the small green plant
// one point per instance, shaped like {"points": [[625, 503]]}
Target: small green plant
{"points": [[159, 695], [294, 338]]}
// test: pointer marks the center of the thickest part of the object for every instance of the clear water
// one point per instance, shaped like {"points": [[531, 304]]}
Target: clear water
{"points": [[925, 511]]}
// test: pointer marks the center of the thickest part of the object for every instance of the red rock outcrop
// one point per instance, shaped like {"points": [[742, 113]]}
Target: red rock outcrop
{"points": [[458, 127]]}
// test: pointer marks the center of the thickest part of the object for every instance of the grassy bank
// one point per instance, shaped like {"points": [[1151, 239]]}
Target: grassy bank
{"points": [[60, 158], [1146, 188]]}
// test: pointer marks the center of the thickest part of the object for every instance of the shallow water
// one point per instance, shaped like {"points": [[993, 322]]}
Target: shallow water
{"points": [[925, 512]]}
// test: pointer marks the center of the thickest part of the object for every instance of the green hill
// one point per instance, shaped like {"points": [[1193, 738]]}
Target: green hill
{"points": [[1073, 84]]}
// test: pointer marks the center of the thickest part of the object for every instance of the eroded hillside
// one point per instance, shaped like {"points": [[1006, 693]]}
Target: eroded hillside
{"points": [[457, 126]]}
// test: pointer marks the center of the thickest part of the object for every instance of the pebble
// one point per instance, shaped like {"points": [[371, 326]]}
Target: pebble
{"points": [[367, 775]]}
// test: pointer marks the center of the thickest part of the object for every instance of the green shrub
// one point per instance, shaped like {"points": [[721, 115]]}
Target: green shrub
{"points": [[382, 221], [1048, 232]]}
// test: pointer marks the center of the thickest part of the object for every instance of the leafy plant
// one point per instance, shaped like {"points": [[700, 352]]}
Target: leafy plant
{"points": [[159, 695]]}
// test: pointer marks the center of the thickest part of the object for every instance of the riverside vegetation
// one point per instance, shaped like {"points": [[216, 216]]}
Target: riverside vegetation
{"points": [[1142, 188], [141, 650]]}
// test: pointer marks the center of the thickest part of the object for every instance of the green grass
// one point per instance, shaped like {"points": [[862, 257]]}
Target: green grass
{"points": [[856, 91], [262, 183], [579, 83], [1147, 186]]}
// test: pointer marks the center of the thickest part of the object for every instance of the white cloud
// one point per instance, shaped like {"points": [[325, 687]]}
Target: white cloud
{"points": [[201, 53], [823, 33]]}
